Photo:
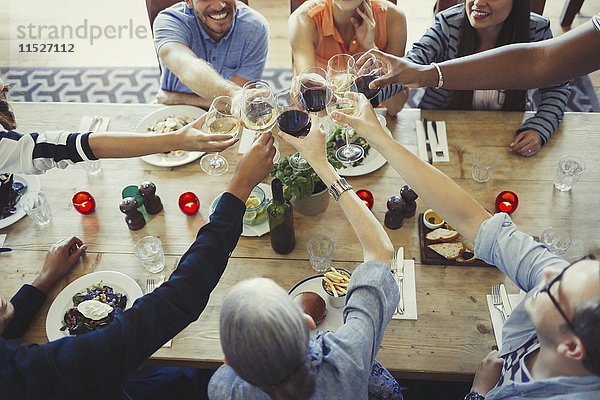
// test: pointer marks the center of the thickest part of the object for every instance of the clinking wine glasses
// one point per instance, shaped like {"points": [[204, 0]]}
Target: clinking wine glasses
{"points": [[371, 69], [346, 103], [341, 72], [220, 120], [293, 120], [315, 93], [258, 108]]}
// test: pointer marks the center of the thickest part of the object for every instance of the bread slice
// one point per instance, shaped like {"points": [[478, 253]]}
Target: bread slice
{"points": [[441, 235], [451, 251]]}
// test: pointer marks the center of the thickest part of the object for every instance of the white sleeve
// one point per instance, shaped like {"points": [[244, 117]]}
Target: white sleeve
{"points": [[16, 153]]}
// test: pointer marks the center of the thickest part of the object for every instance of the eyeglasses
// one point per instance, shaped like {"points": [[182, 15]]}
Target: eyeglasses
{"points": [[556, 279]]}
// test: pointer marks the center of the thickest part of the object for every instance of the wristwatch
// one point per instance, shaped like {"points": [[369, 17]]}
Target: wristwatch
{"points": [[338, 187], [474, 396]]}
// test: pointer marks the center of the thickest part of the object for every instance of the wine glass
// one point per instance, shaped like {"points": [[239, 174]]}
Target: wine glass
{"points": [[293, 120], [219, 120], [370, 70], [341, 72], [315, 93], [258, 108], [346, 103]]}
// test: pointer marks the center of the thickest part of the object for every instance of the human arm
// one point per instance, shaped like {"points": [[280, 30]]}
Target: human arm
{"points": [[60, 259], [374, 241], [36, 153], [302, 33], [516, 66], [440, 192], [537, 130], [488, 373], [195, 73], [70, 366]]}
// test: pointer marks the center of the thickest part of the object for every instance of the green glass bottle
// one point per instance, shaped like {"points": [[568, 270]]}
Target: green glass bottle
{"points": [[281, 220]]}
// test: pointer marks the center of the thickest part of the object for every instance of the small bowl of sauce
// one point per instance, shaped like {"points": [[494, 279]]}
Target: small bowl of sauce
{"points": [[432, 220]]}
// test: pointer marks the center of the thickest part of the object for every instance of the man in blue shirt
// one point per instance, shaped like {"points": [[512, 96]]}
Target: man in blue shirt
{"points": [[208, 48], [94, 365], [551, 346]]}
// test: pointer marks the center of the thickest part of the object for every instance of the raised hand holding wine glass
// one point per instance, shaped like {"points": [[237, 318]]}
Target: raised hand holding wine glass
{"points": [[370, 69], [293, 120], [258, 108], [220, 120]]}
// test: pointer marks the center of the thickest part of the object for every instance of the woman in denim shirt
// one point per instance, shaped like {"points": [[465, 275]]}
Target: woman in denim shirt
{"points": [[551, 342]]}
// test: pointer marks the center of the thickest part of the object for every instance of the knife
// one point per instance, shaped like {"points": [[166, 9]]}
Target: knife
{"points": [[505, 300], [427, 143], [438, 147], [400, 277]]}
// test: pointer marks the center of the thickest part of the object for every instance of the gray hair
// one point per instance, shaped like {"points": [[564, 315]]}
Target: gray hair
{"points": [[264, 334]]}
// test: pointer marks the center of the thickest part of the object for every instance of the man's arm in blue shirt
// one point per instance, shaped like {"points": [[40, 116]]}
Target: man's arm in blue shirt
{"points": [[105, 357]]}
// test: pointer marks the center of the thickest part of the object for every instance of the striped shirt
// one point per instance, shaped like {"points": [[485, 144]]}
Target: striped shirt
{"points": [[514, 368], [440, 43], [36, 153], [596, 22]]}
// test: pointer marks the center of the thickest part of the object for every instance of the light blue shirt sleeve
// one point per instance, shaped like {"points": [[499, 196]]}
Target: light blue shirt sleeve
{"points": [[168, 28], [514, 252]]}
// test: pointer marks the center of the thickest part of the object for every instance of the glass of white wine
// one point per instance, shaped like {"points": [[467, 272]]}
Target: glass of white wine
{"points": [[346, 103], [258, 108], [219, 120], [341, 72]]}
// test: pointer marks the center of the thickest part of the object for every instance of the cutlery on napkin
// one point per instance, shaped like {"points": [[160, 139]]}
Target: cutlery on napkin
{"points": [[496, 316], [436, 139], [94, 123], [408, 291]]}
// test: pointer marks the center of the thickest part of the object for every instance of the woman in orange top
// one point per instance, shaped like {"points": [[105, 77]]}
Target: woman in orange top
{"points": [[320, 29]]}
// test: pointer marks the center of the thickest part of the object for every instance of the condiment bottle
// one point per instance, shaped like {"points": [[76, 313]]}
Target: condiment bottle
{"points": [[281, 220]]}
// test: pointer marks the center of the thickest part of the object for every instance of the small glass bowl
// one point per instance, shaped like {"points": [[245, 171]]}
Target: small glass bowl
{"points": [[340, 300], [257, 214]]}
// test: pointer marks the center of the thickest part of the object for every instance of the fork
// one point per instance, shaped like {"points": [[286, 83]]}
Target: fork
{"points": [[497, 301], [150, 285], [394, 271]]}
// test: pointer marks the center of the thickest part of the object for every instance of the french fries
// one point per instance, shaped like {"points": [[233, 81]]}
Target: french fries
{"points": [[336, 282]]}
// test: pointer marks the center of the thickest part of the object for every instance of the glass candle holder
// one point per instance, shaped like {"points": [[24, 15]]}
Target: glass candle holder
{"points": [[189, 203], [507, 202], [84, 203], [366, 197]]}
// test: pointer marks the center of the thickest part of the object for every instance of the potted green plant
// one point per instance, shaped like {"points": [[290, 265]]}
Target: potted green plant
{"points": [[306, 191]]}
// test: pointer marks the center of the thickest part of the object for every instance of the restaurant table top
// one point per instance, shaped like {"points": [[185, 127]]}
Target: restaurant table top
{"points": [[453, 331]]}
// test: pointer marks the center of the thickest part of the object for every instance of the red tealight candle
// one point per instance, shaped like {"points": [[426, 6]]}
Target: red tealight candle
{"points": [[366, 197], [189, 203], [507, 202], [84, 203]]}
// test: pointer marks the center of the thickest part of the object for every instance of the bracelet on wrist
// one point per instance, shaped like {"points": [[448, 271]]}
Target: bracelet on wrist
{"points": [[440, 76]]}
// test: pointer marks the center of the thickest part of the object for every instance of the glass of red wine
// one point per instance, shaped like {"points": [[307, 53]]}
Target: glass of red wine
{"points": [[370, 70], [293, 120], [315, 93]]}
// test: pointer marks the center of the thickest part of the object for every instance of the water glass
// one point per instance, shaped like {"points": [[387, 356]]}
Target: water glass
{"points": [[484, 162], [557, 240], [92, 167], [320, 252], [149, 250], [37, 207], [568, 172]]}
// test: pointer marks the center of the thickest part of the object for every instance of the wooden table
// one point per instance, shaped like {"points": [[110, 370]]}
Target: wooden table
{"points": [[453, 332]]}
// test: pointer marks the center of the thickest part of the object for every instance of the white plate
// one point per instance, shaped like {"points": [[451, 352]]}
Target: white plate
{"points": [[33, 183], [251, 230], [120, 282], [334, 319], [372, 162], [160, 160]]}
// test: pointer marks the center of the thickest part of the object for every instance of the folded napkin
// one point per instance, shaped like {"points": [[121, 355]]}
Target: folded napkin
{"points": [[2, 239], [441, 133], [410, 292], [496, 315], [86, 121]]}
